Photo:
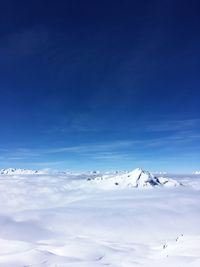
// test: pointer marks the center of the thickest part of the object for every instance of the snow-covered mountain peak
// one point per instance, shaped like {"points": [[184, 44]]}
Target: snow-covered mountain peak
{"points": [[138, 178], [141, 178], [140, 172], [136, 171]]}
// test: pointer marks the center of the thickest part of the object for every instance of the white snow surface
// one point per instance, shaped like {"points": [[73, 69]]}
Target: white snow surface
{"points": [[61, 220]]}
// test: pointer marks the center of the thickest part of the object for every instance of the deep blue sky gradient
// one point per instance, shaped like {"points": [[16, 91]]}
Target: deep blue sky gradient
{"points": [[100, 84]]}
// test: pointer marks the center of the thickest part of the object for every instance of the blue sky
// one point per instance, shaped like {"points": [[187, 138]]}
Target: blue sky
{"points": [[100, 85]]}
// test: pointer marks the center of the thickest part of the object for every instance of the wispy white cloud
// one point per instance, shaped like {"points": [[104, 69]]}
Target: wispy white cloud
{"points": [[107, 146], [49, 163], [24, 152], [178, 142], [174, 125], [109, 155]]}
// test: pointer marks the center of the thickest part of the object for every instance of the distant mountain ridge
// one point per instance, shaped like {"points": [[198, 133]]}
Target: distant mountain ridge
{"points": [[13, 171], [137, 178]]}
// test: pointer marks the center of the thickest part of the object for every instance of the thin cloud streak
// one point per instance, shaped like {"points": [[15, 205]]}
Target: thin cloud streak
{"points": [[95, 147], [158, 150], [174, 125], [107, 147]]}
